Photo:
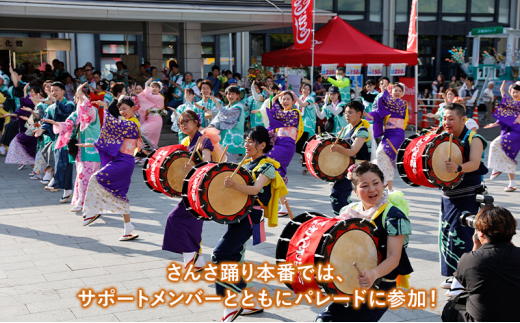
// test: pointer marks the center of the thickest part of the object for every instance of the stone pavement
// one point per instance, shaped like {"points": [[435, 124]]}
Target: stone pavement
{"points": [[47, 256]]}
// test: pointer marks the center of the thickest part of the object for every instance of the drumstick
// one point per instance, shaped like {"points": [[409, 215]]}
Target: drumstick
{"points": [[198, 150], [236, 170], [193, 153], [223, 154], [289, 209], [449, 151], [339, 136], [319, 130], [359, 270], [390, 143]]}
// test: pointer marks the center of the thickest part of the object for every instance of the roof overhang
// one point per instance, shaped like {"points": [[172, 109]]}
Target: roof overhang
{"points": [[123, 17]]}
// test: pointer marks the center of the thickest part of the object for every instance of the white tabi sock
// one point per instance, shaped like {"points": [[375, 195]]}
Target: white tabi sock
{"points": [[201, 262], [67, 193], [188, 256], [283, 209], [51, 183], [47, 176], [512, 183], [129, 227]]}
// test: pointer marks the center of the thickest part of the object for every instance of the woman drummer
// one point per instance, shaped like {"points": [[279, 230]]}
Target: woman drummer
{"points": [[390, 119], [183, 232], [358, 136], [268, 186], [389, 213]]}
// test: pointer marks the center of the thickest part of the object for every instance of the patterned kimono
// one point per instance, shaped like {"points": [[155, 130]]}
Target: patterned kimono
{"points": [[107, 188], [13, 103], [390, 118], [212, 106], [22, 149], [85, 122], [230, 121], [289, 128], [151, 111], [256, 118], [337, 111], [504, 149], [308, 115], [59, 112]]}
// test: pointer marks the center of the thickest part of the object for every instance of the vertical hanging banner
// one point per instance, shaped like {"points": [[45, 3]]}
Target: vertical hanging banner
{"points": [[328, 69], [375, 70], [397, 69], [409, 96], [352, 69], [412, 29], [302, 23]]}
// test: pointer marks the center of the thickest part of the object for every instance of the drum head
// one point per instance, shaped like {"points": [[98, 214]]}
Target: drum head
{"points": [[440, 155], [176, 174], [349, 241], [333, 163], [185, 199], [227, 201], [401, 169]]}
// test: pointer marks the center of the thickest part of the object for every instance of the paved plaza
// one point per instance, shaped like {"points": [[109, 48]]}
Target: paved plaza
{"points": [[47, 256]]}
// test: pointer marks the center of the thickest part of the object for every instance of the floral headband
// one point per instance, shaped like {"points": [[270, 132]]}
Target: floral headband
{"points": [[350, 171]]}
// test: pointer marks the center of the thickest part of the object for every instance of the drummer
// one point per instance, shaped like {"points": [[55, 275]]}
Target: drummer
{"points": [[358, 136], [269, 186], [183, 232], [389, 213], [454, 239]]}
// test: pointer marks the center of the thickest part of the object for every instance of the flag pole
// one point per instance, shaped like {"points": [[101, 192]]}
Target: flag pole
{"points": [[313, 27], [417, 69]]}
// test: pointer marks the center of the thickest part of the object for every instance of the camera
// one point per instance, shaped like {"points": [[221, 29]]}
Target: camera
{"points": [[467, 219]]}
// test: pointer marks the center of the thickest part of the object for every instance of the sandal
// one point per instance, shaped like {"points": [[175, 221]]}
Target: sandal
{"points": [[88, 221], [65, 199], [510, 189], [128, 237], [304, 172], [251, 311], [454, 291], [232, 316], [494, 175], [20, 167]]}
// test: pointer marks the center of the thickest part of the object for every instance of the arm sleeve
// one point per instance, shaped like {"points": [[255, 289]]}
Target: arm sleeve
{"points": [[321, 114], [336, 110], [285, 119], [63, 111], [227, 118], [268, 170], [65, 130]]}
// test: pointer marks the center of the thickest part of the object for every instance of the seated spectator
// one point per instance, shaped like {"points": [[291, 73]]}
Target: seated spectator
{"points": [[489, 273]]}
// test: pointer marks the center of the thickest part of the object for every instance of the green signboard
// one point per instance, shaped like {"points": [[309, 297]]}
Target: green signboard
{"points": [[487, 30]]}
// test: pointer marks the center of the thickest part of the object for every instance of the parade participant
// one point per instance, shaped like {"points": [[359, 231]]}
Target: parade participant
{"points": [[389, 213], [189, 105], [183, 232], [306, 106], [214, 79], [234, 82], [84, 126], [121, 74], [151, 111], [209, 102], [4, 82], [117, 90], [342, 82], [390, 119], [230, 121], [22, 149], [449, 97], [107, 188], [504, 149], [454, 239], [59, 111], [286, 121], [358, 136], [255, 102], [268, 187], [188, 83], [369, 94], [384, 82], [333, 110], [14, 93]]}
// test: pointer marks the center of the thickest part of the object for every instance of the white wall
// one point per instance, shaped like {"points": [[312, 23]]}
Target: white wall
{"points": [[85, 43]]}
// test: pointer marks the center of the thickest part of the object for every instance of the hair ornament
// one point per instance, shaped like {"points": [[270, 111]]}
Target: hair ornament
{"points": [[351, 170]]}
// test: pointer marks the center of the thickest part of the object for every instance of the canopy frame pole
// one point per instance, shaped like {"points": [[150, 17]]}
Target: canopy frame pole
{"points": [[417, 70], [313, 31]]}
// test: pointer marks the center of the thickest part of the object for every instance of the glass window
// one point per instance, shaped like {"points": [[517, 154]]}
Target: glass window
{"points": [[168, 49], [482, 19], [427, 6], [224, 53], [427, 18], [401, 10], [375, 10], [279, 41], [117, 48], [351, 5], [208, 50], [352, 17], [109, 63], [324, 4], [257, 47], [208, 39], [116, 37], [454, 19], [169, 38], [503, 12], [483, 6], [450, 6]]}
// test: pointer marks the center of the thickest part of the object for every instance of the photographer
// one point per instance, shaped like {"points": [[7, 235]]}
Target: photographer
{"points": [[489, 273]]}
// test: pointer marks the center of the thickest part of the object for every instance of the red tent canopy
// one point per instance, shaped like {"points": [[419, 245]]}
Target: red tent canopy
{"points": [[339, 43]]}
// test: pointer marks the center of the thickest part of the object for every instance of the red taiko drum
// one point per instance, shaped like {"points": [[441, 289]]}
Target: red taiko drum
{"points": [[421, 160]]}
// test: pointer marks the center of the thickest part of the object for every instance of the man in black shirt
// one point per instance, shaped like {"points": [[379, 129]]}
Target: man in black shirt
{"points": [[489, 273]]}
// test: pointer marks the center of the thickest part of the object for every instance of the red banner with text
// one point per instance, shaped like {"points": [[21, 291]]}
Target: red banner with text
{"points": [[409, 96], [302, 23], [412, 30]]}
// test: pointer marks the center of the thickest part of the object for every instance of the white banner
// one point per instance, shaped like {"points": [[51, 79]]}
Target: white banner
{"points": [[397, 69], [293, 83], [328, 69], [353, 69], [375, 70]]}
